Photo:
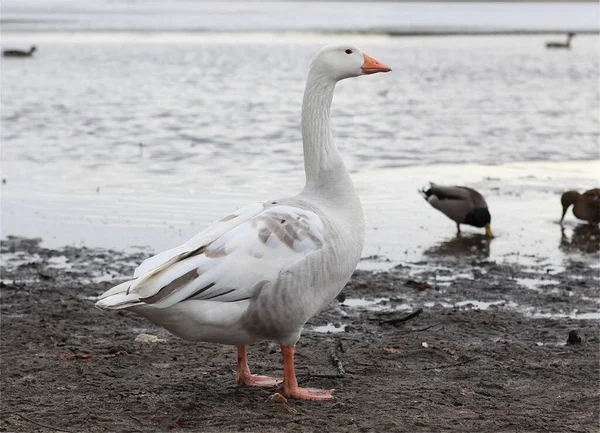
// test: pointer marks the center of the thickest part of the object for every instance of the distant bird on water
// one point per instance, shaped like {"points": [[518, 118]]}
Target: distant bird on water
{"points": [[461, 204], [19, 53], [566, 45], [586, 206]]}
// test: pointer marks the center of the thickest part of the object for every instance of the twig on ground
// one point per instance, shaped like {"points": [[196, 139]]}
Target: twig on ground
{"points": [[39, 424], [394, 322], [405, 366], [335, 360], [456, 364], [135, 419], [421, 329], [326, 376]]}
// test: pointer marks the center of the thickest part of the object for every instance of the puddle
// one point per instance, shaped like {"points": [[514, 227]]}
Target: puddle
{"points": [[88, 298], [442, 303], [369, 304], [12, 261], [384, 304], [535, 283], [377, 304], [480, 305], [60, 262], [573, 315], [329, 328], [10, 281]]}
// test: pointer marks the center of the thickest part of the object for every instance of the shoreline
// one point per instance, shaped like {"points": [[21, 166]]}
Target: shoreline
{"points": [[481, 358], [524, 199], [425, 31], [281, 36]]}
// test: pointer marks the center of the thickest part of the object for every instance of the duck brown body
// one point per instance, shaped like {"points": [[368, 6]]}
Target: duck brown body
{"points": [[586, 206]]}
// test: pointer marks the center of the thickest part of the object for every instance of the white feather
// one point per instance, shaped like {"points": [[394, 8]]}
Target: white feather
{"points": [[234, 262]]}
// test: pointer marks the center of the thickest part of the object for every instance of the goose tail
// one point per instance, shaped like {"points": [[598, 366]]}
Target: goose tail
{"points": [[118, 298]]}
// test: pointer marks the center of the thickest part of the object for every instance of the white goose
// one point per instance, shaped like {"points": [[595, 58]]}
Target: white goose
{"points": [[263, 271]]}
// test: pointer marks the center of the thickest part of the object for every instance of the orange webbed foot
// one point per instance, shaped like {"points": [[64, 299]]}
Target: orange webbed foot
{"points": [[255, 380], [309, 394], [244, 376], [289, 387]]}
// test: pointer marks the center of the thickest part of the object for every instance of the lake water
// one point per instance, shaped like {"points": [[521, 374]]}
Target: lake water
{"points": [[117, 139]]}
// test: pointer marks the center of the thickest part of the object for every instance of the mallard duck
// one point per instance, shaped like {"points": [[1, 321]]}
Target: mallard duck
{"points": [[262, 271], [586, 206], [19, 53], [461, 204]]}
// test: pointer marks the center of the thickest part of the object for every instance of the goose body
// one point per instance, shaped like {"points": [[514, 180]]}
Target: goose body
{"points": [[461, 204], [227, 284], [19, 53], [262, 271], [586, 206]]}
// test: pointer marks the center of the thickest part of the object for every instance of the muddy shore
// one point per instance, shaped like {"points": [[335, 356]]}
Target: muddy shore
{"points": [[487, 352]]}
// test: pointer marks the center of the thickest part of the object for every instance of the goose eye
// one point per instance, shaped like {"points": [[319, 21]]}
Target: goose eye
{"points": [[348, 51]]}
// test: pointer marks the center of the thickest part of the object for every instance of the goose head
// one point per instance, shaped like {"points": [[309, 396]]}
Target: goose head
{"points": [[338, 62]]}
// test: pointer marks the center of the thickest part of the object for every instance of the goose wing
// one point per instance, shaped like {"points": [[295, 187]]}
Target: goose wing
{"points": [[230, 261]]}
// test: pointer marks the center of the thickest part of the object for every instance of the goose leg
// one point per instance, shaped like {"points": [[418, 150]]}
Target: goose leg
{"points": [[457, 228], [244, 376], [289, 387]]}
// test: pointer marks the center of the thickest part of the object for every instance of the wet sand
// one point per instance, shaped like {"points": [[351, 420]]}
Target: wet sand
{"points": [[487, 352], [524, 200]]}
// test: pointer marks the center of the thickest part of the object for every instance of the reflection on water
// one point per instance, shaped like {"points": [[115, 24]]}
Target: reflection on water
{"points": [[469, 245], [584, 238]]}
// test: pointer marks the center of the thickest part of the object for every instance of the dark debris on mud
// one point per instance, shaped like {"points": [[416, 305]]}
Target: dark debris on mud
{"points": [[69, 367]]}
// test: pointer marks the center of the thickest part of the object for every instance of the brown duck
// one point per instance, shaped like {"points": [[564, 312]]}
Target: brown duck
{"points": [[461, 204], [586, 206]]}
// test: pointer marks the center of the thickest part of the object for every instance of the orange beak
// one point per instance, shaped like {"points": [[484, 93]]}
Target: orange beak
{"points": [[372, 66]]}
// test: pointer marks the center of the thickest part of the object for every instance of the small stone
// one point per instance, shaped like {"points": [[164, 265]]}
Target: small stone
{"points": [[574, 338], [276, 399], [148, 338], [29, 379], [286, 409], [48, 273]]}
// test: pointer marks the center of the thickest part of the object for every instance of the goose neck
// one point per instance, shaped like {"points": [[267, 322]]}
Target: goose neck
{"points": [[323, 164]]}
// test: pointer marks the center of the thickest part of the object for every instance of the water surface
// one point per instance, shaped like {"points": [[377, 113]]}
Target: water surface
{"points": [[122, 139]]}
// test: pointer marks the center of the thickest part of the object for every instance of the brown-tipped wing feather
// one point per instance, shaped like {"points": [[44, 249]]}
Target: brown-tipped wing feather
{"points": [[231, 267]]}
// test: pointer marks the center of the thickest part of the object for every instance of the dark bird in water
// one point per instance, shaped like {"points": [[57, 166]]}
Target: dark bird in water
{"points": [[586, 206], [461, 204], [566, 45], [19, 53]]}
